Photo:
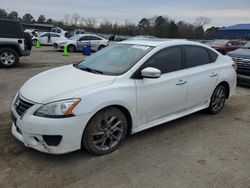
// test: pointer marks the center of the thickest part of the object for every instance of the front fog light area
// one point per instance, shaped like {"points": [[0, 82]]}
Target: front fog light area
{"points": [[58, 109]]}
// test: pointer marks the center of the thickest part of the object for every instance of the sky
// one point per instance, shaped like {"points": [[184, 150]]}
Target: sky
{"points": [[220, 12]]}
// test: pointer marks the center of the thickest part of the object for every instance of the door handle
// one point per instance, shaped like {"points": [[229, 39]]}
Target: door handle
{"points": [[213, 75], [181, 82]]}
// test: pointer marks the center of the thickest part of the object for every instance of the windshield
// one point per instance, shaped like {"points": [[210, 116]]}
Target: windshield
{"points": [[247, 45], [75, 37], [218, 42], [115, 59]]}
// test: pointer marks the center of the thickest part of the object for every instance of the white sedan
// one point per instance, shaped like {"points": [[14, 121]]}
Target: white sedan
{"points": [[48, 38], [76, 42], [125, 88]]}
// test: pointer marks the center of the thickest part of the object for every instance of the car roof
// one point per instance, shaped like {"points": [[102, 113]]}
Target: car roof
{"points": [[88, 34], [158, 42]]}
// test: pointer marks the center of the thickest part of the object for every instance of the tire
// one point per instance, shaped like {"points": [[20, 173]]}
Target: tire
{"points": [[28, 41], [101, 47], [8, 57], [34, 42], [217, 100], [105, 131], [71, 48]]}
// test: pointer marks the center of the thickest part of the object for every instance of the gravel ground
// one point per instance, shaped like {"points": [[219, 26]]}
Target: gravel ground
{"points": [[199, 150]]}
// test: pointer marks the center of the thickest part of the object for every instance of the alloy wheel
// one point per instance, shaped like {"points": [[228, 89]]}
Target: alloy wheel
{"points": [[7, 58], [108, 133]]}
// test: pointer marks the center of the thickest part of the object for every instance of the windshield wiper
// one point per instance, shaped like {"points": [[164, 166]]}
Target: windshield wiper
{"points": [[88, 69]]}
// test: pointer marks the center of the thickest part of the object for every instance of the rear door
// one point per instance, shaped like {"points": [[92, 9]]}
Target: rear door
{"points": [[95, 42], [83, 41], [203, 74], [164, 96]]}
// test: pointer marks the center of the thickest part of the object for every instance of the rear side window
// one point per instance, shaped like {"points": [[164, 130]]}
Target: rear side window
{"points": [[167, 60], [212, 56], [10, 29], [196, 56], [85, 38]]}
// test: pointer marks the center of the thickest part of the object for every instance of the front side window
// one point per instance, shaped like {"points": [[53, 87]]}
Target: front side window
{"points": [[115, 59], [167, 60], [196, 56]]}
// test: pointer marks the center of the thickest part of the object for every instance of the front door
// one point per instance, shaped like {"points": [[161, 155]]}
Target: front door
{"points": [[164, 96]]}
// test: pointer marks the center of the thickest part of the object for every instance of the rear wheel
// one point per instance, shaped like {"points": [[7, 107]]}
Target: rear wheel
{"points": [[217, 100], [105, 131], [8, 57], [101, 47]]}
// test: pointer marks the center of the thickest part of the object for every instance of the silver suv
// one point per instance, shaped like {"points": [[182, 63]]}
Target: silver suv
{"points": [[14, 43]]}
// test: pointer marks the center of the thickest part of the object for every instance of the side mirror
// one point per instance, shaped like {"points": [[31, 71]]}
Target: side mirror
{"points": [[150, 72]]}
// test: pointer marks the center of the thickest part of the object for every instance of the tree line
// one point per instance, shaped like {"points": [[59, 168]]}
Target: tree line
{"points": [[159, 26]]}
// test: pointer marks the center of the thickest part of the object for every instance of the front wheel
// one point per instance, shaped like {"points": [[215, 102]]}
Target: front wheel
{"points": [[217, 100], [105, 131], [71, 49]]}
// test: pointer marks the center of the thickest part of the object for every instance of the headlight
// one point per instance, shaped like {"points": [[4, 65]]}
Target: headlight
{"points": [[59, 109]]}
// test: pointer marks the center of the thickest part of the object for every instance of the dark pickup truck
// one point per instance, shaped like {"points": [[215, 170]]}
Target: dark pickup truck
{"points": [[241, 57]]}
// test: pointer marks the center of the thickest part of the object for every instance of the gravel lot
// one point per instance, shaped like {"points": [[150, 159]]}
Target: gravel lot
{"points": [[199, 150]]}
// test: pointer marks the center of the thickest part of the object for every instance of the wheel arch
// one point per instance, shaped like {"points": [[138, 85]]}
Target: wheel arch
{"points": [[226, 85], [124, 110], [13, 47]]}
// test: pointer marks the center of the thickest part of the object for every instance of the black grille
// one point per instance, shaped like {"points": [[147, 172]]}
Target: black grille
{"points": [[21, 105], [242, 63]]}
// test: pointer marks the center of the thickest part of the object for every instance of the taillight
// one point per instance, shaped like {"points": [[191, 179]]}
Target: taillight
{"points": [[234, 65]]}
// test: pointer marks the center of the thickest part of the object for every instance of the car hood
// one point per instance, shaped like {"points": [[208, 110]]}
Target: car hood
{"points": [[241, 52], [62, 83]]}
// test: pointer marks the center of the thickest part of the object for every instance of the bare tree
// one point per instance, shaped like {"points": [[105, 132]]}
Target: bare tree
{"points": [[75, 18], [66, 19], [201, 21], [90, 22]]}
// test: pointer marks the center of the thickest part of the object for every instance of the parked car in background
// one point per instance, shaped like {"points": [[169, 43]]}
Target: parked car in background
{"points": [[139, 37], [76, 43], [124, 88], [48, 38], [14, 43], [224, 46], [241, 57], [78, 32], [32, 32], [59, 31]]}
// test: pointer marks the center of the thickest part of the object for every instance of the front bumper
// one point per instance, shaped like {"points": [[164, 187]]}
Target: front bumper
{"points": [[58, 46], [243, 80], [31, 130]]}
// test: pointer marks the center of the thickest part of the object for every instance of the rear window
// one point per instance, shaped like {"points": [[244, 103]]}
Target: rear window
{"points": [[196, 56], [10, 29], [212, 56]]}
